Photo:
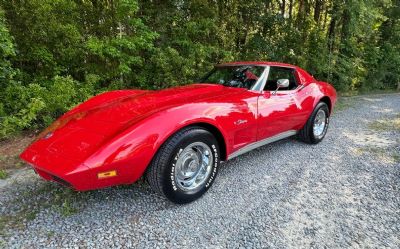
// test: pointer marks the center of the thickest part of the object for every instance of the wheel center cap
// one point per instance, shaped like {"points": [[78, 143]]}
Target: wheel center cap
{"points": [[193, 166]]}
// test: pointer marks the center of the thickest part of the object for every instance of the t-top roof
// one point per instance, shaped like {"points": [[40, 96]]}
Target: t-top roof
{"points": [[261, 63]]}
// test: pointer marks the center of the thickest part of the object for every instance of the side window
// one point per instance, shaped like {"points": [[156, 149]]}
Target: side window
{"points": [[276, 73]]}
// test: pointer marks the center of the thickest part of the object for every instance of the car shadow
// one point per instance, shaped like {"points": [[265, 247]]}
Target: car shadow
{"points": [[37, 200]]}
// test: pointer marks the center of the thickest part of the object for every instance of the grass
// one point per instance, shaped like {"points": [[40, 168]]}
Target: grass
{"points": [[3, 174], [50, 234], [396, 158], [382, 125], [385, 154], [10, 150], [63, 200], [386, 124], [344, 103], [382, 153], [366, 92], [10, 222]]}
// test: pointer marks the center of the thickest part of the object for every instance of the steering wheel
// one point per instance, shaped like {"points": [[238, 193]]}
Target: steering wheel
{"points": [[235, 83]]}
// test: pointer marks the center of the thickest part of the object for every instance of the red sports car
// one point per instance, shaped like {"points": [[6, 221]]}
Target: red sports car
{"points": [[177, 137]]}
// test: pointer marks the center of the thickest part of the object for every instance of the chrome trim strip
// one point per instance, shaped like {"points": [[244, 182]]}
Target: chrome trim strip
{"points": [[263, 142]]}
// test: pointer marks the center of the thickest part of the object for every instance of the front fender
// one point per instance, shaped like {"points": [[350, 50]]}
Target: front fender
{"points": [[131, 151]]}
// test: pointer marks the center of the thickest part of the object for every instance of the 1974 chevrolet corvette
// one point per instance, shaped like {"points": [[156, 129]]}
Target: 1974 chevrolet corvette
{"points": [[177, 137]]}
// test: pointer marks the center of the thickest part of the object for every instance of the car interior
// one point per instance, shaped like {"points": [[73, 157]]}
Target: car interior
{"points": [[241, 76], [277, 73]]}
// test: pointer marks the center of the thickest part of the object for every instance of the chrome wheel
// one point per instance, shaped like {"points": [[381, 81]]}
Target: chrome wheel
{"points": [[193, 166], [319, 123]]}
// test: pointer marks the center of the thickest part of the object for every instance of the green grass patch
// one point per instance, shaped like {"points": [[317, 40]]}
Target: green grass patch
{"points": [[50, 234], [383, 153], [12, 222], [366, 92], [392, 124], [396, 158], [346, 100], [343, 103], [3, 174], [63, 200]]}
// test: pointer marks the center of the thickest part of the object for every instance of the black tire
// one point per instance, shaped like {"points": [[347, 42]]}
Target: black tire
{"points": [[307, 133], [160, 174]]}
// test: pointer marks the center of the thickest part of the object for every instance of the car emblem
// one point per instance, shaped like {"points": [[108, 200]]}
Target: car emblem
{"points": [[240, 121], [48, 135]]}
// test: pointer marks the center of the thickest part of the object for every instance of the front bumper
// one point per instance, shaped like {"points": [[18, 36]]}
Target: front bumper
{"points": [[77, 175], [50, 177], [53, 167]]}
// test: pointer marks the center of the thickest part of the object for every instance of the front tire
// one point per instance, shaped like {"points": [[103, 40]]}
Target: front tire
{"points": [[317, 125], [185, 166]]}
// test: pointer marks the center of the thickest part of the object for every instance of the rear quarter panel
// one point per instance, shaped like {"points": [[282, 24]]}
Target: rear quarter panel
{"points": [[315, 90]]}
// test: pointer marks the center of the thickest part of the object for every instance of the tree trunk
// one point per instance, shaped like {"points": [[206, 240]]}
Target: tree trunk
{"points": [[332, 26], [290, 9], [345, 32], [283, 7], [325, 18], [300, 13], [317, 10]]}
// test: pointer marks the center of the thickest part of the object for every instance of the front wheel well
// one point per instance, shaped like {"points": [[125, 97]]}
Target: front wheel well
{"points": [[218, 135]]}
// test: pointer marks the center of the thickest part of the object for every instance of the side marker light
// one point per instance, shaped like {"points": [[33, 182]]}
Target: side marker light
{"points": [[107, 174]]}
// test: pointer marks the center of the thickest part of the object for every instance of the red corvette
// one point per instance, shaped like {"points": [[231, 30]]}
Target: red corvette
{"points": [[177, 137]]}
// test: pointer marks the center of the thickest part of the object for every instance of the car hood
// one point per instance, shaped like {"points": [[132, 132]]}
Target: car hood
{"points": [[81, 131], [134, 105]]}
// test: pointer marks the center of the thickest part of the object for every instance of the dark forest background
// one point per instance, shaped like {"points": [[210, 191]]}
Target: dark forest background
{"points": [[57, 53]]}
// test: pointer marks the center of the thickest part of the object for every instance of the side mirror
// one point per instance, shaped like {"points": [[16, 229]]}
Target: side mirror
{"points": [[281, 83]]}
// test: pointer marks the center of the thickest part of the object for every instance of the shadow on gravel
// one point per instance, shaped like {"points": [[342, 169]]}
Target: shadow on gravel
{"points": [[35, 199]]}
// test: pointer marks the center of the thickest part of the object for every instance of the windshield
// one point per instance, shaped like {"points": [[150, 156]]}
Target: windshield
{"points": [[234, 76]]}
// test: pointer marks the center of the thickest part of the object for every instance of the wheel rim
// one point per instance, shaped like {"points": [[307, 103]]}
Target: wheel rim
{"points": [[193, 166], [319, 123]]}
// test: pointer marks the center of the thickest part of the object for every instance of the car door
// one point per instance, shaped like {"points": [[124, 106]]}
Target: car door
{"points": [[279, 112]]}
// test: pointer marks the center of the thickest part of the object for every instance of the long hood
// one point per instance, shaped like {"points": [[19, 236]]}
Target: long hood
{"points": [[135, 105], [81, 131]]}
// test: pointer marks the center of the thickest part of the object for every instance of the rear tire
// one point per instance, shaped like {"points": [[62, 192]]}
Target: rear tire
{"points": [[185, 166], [317, 125]]}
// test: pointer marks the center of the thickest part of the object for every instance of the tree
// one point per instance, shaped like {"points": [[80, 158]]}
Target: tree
{"points": [[57, 53]]}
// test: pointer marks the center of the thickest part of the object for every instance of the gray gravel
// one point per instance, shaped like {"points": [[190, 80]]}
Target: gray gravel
{"points": [[343, 192]]}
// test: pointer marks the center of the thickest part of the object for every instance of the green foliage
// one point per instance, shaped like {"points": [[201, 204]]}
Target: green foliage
{"points": [[3, 174], [7, 51], [34, 105], [55, 54]]}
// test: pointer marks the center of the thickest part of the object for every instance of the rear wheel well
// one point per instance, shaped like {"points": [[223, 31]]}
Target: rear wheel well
{"points": [[328, 102], [218, 135]]}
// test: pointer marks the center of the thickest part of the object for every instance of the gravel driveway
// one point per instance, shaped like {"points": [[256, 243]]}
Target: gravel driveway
{"points": [[343, 192]]}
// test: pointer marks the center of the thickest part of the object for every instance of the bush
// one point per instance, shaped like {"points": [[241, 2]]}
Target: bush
{"points": [[55, 54], [34, 106]]}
